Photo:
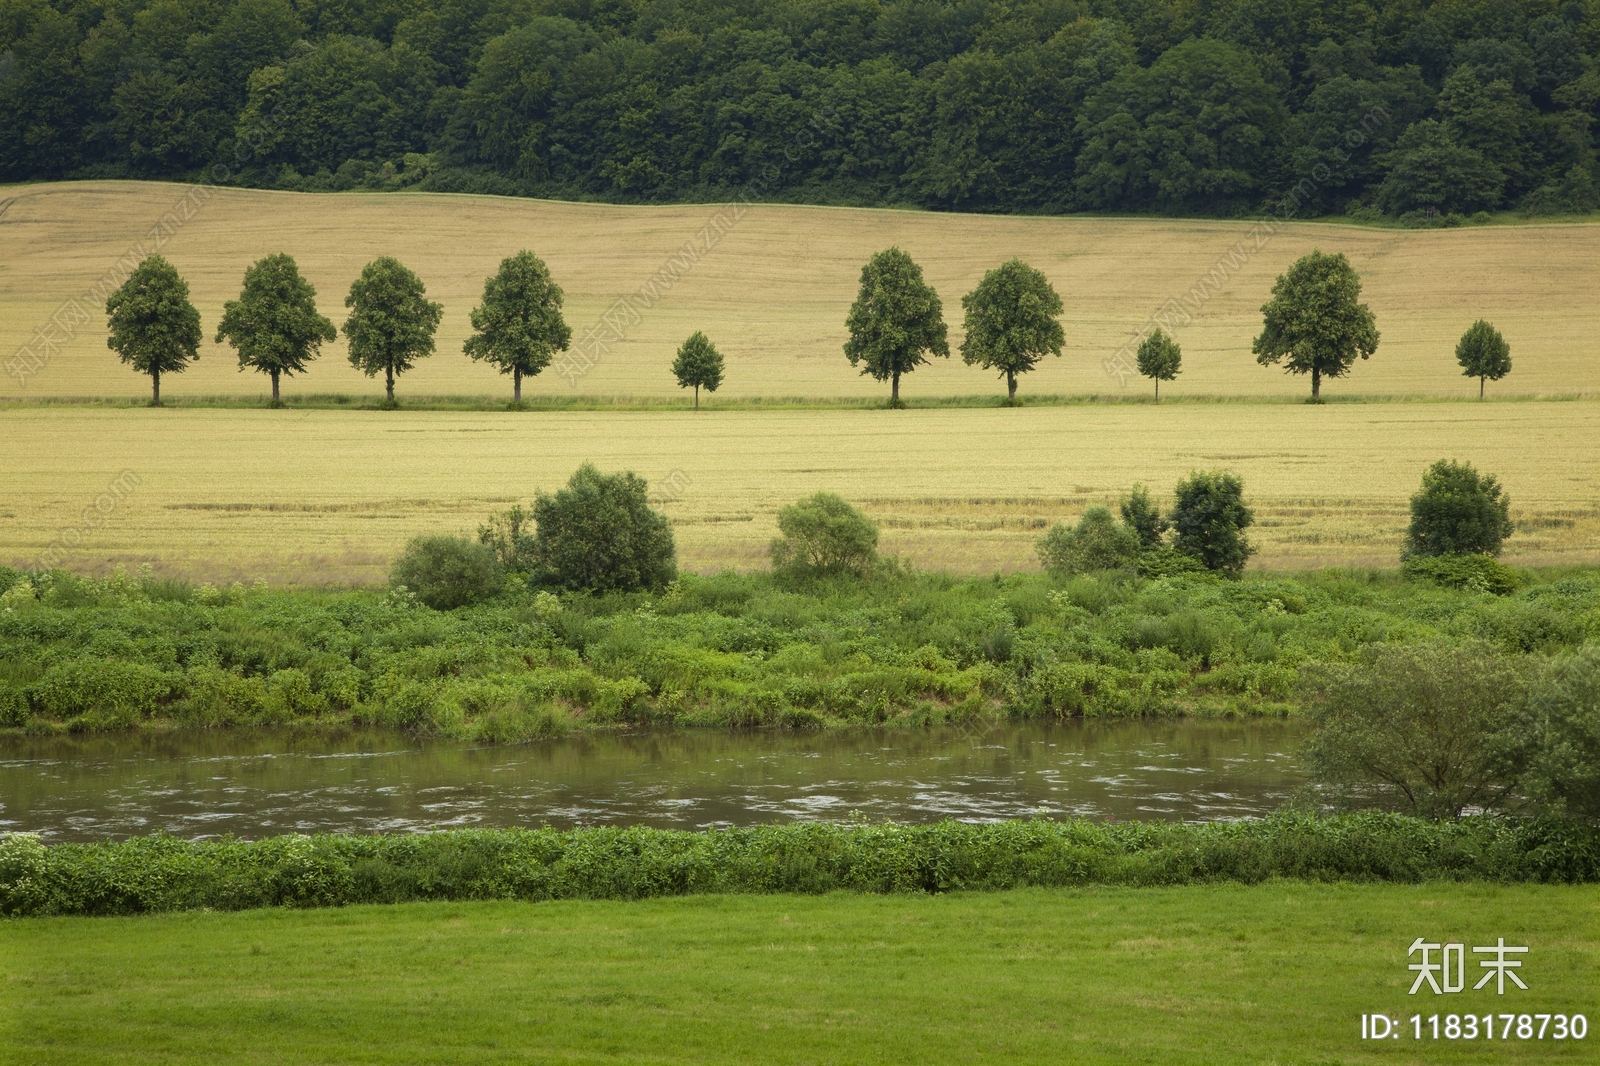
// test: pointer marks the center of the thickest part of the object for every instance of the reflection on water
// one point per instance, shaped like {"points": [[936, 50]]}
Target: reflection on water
{"points": [[260, 783]]}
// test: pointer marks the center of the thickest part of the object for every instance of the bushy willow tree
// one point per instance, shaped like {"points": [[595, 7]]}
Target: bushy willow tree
{"points": [[391, 321], [1315, 322], [518, 326], [274, 323], [1011, 322], [1160, 359], [896, 321], [698, 366], [1483, 354], [152, 325]]}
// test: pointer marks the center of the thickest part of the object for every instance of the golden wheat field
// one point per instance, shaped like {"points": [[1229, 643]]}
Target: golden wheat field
{"points": [[771, 287], [329, 496]]}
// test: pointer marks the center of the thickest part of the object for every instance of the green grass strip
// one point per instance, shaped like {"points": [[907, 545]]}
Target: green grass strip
{"points": [[159, 873]]}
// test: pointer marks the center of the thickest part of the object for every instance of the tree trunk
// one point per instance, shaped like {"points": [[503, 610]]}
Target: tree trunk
{"points": [[1480, 387], [894, 390], [1011, 387], [275, 401], [1158, 390], [155, 388], [1316, 383], [389, 387], [516, 385], [697, 397]]}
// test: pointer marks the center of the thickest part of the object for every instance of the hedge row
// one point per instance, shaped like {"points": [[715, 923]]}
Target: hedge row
{"points": [[160, 873]]}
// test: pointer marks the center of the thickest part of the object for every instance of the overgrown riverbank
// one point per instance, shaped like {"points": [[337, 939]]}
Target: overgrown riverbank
{"points": [[149, 874], [901, 647]]}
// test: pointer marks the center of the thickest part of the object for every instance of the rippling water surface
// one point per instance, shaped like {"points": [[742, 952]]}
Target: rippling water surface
{"points": [[260, 783]]}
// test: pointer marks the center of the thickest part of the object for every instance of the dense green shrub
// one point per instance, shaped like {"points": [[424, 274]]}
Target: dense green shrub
{"points": [[448, 572], [1431, 728], [158, 873], [13, 706], [222, 697], [760, 650], [1458, 512], [1565, 716], [117, 693], [823, 534], [600, 534], [1097, 542], [1478, 573], [1208, 521]]}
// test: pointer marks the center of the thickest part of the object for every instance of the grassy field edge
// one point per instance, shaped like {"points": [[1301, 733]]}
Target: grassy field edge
{"points": [[1275, 973]]}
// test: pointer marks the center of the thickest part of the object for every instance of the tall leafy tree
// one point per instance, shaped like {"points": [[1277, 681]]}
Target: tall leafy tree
{"points": [[153, 326], [274, 323], [391, 323], [518, 325], [1483, 354], [896, 320], [1160, 358], [1011, 322], [1430, 167], [698, 366], [1315, 322]]}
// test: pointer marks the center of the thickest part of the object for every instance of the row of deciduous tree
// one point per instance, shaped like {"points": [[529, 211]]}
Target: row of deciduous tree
{"points": [[1315, 323]]}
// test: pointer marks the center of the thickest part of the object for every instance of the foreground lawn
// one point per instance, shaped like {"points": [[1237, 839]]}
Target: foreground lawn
{"points": [[1274, 973]]}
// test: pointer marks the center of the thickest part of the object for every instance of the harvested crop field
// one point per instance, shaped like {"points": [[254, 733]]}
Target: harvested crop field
{"points": [[771, 286], [328, 497]]}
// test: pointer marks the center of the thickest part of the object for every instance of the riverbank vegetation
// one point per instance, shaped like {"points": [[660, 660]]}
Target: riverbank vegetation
{"points": [[779, 650], [159, 873]]}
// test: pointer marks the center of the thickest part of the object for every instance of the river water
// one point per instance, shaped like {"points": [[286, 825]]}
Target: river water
{"points": [[261, 783]]}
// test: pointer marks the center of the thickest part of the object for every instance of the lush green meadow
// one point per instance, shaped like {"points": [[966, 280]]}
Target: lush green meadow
{"points": [[1273, 973]]}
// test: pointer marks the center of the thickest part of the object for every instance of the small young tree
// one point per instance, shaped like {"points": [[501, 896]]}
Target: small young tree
{"points": [[1208, 520], [600, 533], [518, 327], [1458, 512], [1160, 359], [1483, 354], [1097, 542], [698, 366], [1011, 322], [1430, 728], [1315, 323], [153, 326], [274, 323], [1141, 515], [391, 321], [510, 535], [823, 534], [896, 318], [448, 572]]}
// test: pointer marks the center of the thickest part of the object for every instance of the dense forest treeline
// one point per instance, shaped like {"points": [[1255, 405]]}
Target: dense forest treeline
{"points": [[1398, 107]]}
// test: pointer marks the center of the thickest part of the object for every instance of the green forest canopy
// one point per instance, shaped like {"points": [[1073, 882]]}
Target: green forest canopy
{"points": [[1218, 107]]}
